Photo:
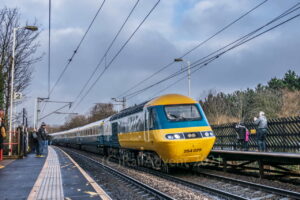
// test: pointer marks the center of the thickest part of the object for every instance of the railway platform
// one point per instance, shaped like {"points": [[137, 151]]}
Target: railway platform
{"points": [[273, 162], [56, 176]]}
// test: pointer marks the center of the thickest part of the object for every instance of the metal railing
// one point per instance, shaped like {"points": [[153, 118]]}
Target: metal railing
{"points": [[283, 135]]}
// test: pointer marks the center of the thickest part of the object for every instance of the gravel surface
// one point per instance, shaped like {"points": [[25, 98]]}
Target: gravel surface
{"points": [[228, 187], [174, 190], [178, 191], [271, 183]]}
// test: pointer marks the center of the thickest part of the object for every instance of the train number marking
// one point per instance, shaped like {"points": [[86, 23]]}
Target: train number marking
{"points": [[192, 150]]}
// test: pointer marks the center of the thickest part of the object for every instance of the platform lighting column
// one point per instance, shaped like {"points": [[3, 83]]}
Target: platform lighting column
{"points": [[189, 73], [31, 28]]}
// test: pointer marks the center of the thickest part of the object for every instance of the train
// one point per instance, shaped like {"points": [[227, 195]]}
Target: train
{"points": [[169, 129]]}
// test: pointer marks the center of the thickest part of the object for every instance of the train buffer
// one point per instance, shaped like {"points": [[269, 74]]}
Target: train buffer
{"points": [[56, 176]]}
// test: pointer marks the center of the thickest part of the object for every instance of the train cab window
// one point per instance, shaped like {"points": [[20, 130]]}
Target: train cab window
{"points": [[182, 112]]}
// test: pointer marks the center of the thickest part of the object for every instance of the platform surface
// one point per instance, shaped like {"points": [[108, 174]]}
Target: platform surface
{"points": [[54, 177]]}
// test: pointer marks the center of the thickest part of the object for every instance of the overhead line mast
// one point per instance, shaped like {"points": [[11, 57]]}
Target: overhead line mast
{"points": [[49, 49], [73, 55]]}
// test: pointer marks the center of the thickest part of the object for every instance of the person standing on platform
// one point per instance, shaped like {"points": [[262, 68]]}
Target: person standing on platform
{"points": [[41, 137], [32, 141], [2, 137], [242, 136], [262, 130]]}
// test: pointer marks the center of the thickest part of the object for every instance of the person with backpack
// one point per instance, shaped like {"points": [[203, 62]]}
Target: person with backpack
{"points": [[32, 140], [242, 137]]}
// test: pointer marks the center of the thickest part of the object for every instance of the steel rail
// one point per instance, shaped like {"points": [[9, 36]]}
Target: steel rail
{"points": [[212, 191], [148, 189], [199, 187], [274, 190]]}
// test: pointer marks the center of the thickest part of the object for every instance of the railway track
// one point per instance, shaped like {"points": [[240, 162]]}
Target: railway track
{"points": [[135, 186], [218, 186], [274, 190], [229, 188]]}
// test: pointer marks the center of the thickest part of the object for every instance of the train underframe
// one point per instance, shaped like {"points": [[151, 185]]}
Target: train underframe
{"points": [[128, 157]]}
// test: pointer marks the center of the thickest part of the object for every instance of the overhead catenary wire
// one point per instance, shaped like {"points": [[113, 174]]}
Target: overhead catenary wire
{"points": [[194, 48], [77, 48], [203, 65], [108, 49], [73, 54], [238, 42], [116, 55], [289, 11]]}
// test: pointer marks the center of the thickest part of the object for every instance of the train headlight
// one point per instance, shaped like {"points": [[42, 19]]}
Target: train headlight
{"points": [[206, 134], [211, 134], [174, 136], [170, 137], [191, 135], [177, 136]]}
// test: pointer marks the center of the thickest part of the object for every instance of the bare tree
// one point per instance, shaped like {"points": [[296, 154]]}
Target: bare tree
{"points": [[25, 54], [74, 121], [101, 111]]}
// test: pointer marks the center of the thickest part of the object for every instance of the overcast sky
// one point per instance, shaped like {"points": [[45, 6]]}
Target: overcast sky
{"points": [[173, 28]]}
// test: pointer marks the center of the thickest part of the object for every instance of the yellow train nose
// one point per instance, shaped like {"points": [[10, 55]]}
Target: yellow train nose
{"points": [[185, 151]]}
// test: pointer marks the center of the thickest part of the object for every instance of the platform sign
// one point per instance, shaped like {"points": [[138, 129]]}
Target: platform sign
{"points": [[18, 96]]}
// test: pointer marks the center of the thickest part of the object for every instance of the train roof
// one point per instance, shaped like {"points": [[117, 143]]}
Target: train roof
{"points": [[168, 99], [171, 99], [80, 128], [129, 111]]}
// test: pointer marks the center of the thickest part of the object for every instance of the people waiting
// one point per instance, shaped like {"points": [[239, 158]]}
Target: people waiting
{"points": [[242, 136], [41, 137], [262, 129]]}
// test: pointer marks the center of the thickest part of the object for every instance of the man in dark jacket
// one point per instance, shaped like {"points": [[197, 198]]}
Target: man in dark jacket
{"points": [[41, 137]]}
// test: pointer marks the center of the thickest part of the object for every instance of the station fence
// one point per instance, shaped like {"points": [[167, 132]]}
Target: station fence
{"points": [[18, 144], [283, 135]]}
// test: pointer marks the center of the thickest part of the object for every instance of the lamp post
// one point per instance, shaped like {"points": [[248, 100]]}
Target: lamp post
{"points": [[31, 28], [189, 73]]}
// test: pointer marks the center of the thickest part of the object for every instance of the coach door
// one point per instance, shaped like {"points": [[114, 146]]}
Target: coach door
{"points": [[148, 124], [114, 137], [146, 132]]}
